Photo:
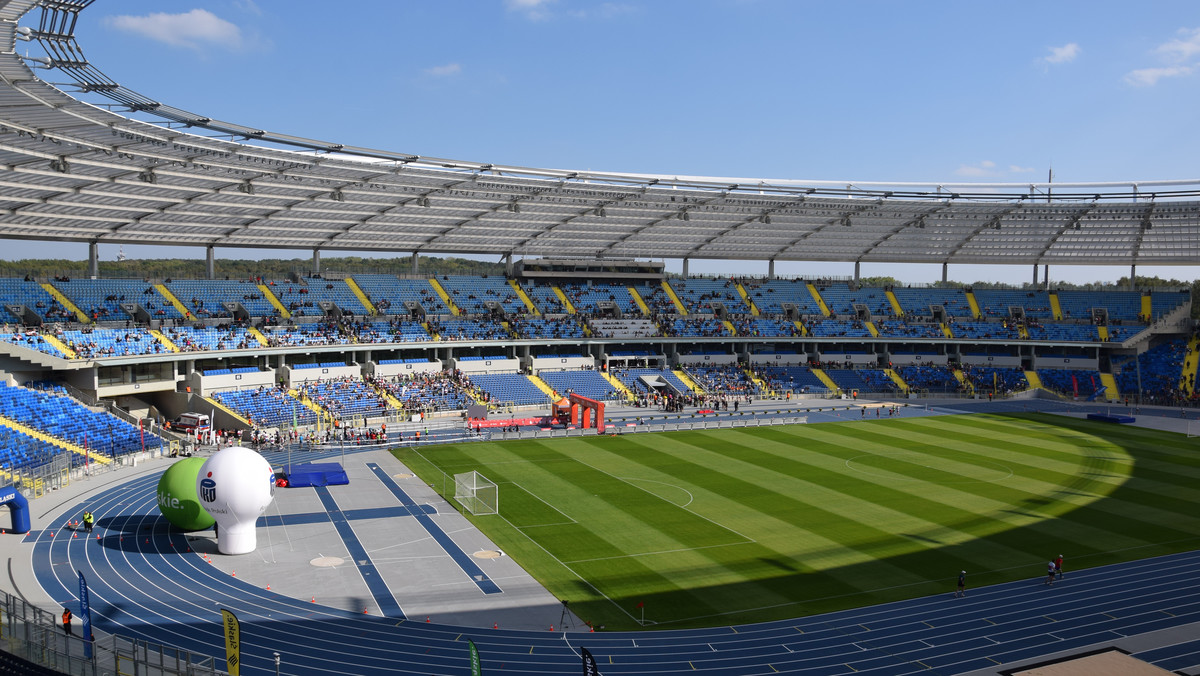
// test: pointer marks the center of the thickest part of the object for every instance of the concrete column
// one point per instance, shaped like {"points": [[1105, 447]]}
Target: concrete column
{"points": [[857, 269], [415, 262], [1035, 274], [1046, 276], [316, 262], [945, 270], [771, 269], [210, 262], [508, 265], [1132, 276], [685, 267], [93, 269]]}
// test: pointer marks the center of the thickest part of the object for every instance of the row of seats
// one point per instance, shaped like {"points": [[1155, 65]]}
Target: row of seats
{"points": [[102, 299]]}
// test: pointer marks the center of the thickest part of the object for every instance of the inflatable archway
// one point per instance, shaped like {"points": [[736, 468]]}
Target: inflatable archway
{"points": [[19, 507]]}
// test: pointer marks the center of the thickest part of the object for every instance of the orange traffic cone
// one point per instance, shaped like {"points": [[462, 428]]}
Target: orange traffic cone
{"points": [[314, 599], [426, 619], [495, 625], [552, 627], [75, 536], [51, 533], [364, 611], [268, 586], [235, 573]]}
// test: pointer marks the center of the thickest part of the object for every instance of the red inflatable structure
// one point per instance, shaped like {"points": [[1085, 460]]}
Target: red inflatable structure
{"points": [[580, 411]]}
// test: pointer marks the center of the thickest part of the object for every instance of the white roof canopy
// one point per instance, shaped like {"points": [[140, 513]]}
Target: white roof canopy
{"points": [[70, 170]]}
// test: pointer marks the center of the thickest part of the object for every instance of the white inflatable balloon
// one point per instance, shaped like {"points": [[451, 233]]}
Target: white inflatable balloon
{"points": [[235, 485]]}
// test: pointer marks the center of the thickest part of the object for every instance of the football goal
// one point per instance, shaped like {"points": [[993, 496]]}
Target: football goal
{"points": [[476, 494]]}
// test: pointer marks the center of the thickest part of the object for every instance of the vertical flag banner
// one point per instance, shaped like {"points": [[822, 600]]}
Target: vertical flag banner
{"points": [[589, 663], [85, 616], [476, 669], [233, 643]]}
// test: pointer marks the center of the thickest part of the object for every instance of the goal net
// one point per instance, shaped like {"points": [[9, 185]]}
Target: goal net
{"points": [[476, 494]]}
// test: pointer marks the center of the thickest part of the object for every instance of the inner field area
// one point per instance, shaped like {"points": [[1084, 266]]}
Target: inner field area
{"points": [[723, 527]]}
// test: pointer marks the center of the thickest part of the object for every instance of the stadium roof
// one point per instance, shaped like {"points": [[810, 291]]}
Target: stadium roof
{"points": [[75, 171]]}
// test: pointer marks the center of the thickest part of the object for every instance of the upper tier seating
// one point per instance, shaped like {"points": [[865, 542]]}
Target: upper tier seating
{"points": [[587, 297], [893, 328], [388, 293], [979, 330], [101, 299], [467, 329], [996, 302], [190, 339], [316, 333], [546, 329], [471, 294], [1121, 305], [697, 295], [1164, 302], [656, 299], [509, 388], [921, 301], [769, 295], [203, 298], [303, 300], [584, 383], [696, 326], [394, 331], [759, 326], [34, 297], [840, 299], [543, 296], [32, 340]]}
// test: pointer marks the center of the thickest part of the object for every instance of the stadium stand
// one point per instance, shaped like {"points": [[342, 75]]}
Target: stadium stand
{"points": [[471, 294], [389, 293], [929, 378], [584, 383], [101, 299], [57, 414], [508, 388], [34, 297], [267, 407]]}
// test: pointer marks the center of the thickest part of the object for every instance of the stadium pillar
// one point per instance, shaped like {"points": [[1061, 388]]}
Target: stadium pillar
{"points": [[210, 262], [93, 269], [316, 266], [945, 270], [771, 269], [1035, 274], [415, 259], [685, 267], [508, 266], [1132, 276], [1046, 276], [857, 269]]}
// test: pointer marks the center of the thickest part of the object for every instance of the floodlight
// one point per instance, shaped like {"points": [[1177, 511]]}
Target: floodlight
{"points": [[60, 165]]}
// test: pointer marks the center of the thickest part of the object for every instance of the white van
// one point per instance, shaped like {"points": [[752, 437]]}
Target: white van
{"points": [[191, 422]]}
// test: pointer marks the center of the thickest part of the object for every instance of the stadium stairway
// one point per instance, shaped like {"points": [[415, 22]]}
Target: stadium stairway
{"points": [[310, 404], [158, 335], [812, 290], [228, 411], [1055, 306], [524, 297], [562, 298], [1023, 331], [729, 327], [1189, 365], [973, 304], [53, 340], [679, 307], [54, 441], [1147, 306], [274, 301], [257, 335], [802, 327], [762, 384], [747, 300], [361, 296], [891, 373], [433, 335], [639, 301], [691, 384], [390, 398], [871, 327], [824, 378], [896, 307], [618, 385], [946, 330], [1102, 332], [66, 302], [545, 387], [1035, 381], [964, 381], [1109, 382], [445, 296], [175, 302]]}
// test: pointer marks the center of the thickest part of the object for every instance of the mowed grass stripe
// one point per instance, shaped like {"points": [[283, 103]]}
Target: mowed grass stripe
{"points": [[954, 513]]}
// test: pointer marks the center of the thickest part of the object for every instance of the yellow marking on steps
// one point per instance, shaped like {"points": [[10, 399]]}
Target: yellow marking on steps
{"points": [[53, 340], [543, 386], [747, 300], [361, 295], [524, 297], [1055, 307], [974, 304], [67, 303], [274, 301], [896, 307], [167, 342], [444, 295], [258, 335], [54, 441], [637, 299], [812, 290], [213, 402], [679, 307], [175, 302]]}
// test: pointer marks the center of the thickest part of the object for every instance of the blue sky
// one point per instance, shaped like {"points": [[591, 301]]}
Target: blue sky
{"points": [[863, 91]]}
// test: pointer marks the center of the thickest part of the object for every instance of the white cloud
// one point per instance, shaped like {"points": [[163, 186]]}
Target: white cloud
{"points": [[607, 10], [1180, 56], [1148, 77], [1014, 169], [191, 29], [534, 10], [989, 169], [1064, 54], [444, 71]]}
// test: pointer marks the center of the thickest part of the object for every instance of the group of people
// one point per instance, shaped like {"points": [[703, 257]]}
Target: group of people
{"points": [[1054, 571]]}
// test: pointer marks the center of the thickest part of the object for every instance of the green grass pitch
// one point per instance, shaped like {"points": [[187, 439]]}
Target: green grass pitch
{"points": [[734, 526]]}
